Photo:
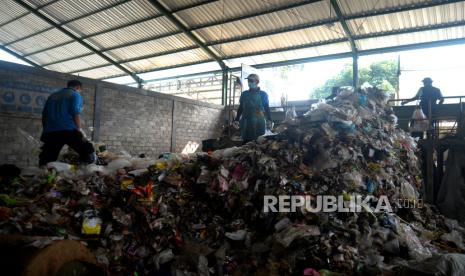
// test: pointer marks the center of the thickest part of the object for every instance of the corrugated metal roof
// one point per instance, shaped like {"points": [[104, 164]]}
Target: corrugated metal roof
{"points": [[283, 19], [176, 4], [78, 64], [289, 39], [117, 16], [40, 2], [24, 26], [330, 49], [43, 40], [65, 10], [228, 9], [413, 38], [350, 7], [52, 55], [101, 72], [64, 52], [152, 47], [409, 19], [132, 32], [10, 10], [154, 27], [184, 57]]}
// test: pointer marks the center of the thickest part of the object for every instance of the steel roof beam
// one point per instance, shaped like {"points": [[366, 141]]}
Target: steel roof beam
{"points": [[297, 47], [68, 21], [282, 30], [344, 25], [285, 49], [286, 7], [186, 31], [234, 39], [134, 59], [161, 69], [407, 47], [255, 14], [404, 8], [68, 33], [300, 26], [116, 28], [384, 50], [412, 30], [349, 17], [190, 6], [27, 13], [19, 56], [410, 7], [106, 50], [287, 29], [350, 37]]}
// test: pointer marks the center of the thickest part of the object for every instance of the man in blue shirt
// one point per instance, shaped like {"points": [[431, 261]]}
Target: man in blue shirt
{"points": [[61, 122]]}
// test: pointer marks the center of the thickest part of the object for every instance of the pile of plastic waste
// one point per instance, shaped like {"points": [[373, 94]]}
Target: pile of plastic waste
{"points": [[204, 214]]}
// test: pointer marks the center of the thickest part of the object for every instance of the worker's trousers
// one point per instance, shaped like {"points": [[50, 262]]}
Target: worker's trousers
{"points": [[54, 142]]}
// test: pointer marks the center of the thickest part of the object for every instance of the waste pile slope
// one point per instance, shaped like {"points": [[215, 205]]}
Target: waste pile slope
{"points": [[206, 214]]}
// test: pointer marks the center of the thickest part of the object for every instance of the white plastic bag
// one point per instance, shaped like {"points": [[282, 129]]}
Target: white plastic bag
{"points": [[416, 249], [419, 121], [59, 166], [291, 116]]}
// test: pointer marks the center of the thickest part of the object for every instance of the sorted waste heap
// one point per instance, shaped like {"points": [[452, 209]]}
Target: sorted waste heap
{"points": [[203, 214]]}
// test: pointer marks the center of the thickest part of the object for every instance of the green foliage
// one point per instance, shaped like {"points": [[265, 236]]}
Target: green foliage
{"points": [[381, 74]]}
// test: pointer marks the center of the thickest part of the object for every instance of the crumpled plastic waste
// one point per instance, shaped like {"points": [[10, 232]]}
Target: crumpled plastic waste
{"points": [[442, 265], [416, 249], [202, 214], [291, 233]]}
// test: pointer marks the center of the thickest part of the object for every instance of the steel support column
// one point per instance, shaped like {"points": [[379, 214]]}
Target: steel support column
{"points": [[355, 70], [224, 90], [351, 39]]}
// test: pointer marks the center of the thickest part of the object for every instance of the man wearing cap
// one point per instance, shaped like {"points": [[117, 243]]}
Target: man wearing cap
{"points": [[427, 94], [253, 110]]}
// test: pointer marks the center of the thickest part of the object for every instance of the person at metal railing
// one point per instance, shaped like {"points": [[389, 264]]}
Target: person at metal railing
{"points": [[427, 94]]}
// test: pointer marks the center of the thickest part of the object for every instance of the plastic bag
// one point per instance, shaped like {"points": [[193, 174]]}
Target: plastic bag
{"points": [[291, 233], [418, 115], [454, 237], [440, 265], [60, 166], [117, 164], [407, 191], [420, 121], [416, 250], [30, 144], [291, 116]]}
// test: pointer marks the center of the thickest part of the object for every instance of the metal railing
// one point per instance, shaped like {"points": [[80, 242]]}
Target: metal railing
{"points": [[436, 130]]}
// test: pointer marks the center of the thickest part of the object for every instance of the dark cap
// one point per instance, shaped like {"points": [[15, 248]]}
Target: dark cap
{"points": [[427, 80], [253, 77]]}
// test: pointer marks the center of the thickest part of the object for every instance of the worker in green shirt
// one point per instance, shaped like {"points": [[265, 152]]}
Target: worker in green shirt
{"points": [[254, 111]]}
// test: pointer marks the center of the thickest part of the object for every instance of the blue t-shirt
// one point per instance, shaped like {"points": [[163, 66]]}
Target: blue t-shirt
{"points": [[60, 109]]}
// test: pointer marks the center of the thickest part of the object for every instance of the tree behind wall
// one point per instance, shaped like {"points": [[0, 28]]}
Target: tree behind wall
{"points": [[381, 74]]}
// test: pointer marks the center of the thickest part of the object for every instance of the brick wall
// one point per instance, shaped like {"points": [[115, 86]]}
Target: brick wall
{"points": [[192, 124], [124, 118]]}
